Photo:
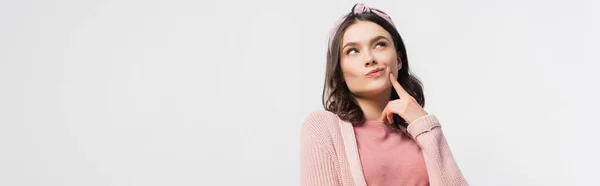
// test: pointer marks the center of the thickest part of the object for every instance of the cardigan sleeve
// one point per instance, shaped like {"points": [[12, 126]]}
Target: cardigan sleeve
{"points": [[317, 165], [441, 166]]}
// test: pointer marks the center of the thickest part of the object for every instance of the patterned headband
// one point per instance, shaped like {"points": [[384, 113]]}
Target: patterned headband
{"points": [[357, 9]]}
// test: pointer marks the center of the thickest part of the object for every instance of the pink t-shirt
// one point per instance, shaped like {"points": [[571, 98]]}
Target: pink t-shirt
{"points": [[389, 156]]}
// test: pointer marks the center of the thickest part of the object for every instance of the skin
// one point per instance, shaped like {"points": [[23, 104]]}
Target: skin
{"points": [[367, 46]]}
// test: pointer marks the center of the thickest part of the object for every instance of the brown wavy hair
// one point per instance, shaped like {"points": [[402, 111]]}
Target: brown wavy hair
{"points": [[338, 99]]}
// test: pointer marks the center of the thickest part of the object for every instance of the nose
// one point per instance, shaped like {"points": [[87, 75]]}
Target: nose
{"points": [[370, 60]]}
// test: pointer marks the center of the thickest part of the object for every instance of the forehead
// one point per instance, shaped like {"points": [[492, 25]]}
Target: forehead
{"points": [[363, 31]]}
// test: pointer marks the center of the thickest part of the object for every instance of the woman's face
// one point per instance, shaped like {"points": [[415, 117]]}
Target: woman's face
{"points": [[367, 58]]}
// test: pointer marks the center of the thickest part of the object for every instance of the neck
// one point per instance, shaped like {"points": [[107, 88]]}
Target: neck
{"points": [[372, 106]]}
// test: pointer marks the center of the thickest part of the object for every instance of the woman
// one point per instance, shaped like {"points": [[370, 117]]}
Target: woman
{"points": [[374, 130]]}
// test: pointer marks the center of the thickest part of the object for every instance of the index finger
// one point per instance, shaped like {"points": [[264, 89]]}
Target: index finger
{"points": [[399, 89]]}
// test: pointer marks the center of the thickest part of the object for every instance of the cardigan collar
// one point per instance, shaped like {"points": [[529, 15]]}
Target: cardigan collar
{"points": [[351, 148]]}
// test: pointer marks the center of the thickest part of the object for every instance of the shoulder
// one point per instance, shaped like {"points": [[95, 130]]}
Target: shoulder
{"points": [[320, 124], [321, 117]]}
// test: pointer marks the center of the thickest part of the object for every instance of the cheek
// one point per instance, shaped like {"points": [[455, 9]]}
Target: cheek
{"points": [[352, 73], [388, 58], [350, 68]]}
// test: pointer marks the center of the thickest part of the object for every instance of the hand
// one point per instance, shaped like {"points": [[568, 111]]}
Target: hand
{"points": [[406, 107]]}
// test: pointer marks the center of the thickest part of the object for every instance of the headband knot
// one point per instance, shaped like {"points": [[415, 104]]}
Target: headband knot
{"points": [[360, 8]]}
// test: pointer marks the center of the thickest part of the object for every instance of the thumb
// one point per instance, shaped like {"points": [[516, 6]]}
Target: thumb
{"points": [[382, 118]]}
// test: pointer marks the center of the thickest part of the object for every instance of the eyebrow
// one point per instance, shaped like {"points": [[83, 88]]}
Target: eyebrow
{"points": [[372, 40]]}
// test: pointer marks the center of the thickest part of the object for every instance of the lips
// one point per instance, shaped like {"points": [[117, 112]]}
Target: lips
{"points": [[375, 72]]}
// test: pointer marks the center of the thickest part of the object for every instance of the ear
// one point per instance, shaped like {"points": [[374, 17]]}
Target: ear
{"points": [[399, 63]]}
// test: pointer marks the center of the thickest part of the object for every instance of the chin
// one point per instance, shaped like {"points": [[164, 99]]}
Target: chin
{"points": [[378, 85], [373, 89]]}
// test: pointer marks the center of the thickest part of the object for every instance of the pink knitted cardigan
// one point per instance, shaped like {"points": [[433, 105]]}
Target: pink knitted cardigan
{"points": [[329, 155]]}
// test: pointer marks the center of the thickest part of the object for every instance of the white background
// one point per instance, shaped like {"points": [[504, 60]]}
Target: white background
{"points": [[214, 92]]}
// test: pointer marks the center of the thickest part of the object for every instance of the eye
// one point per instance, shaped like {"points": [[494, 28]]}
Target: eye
{"points": [[380, 44], [351, 51]]}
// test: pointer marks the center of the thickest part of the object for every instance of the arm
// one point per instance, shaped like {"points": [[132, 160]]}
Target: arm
{"points": [[440, 163], [317, 166], [425, 130]]}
